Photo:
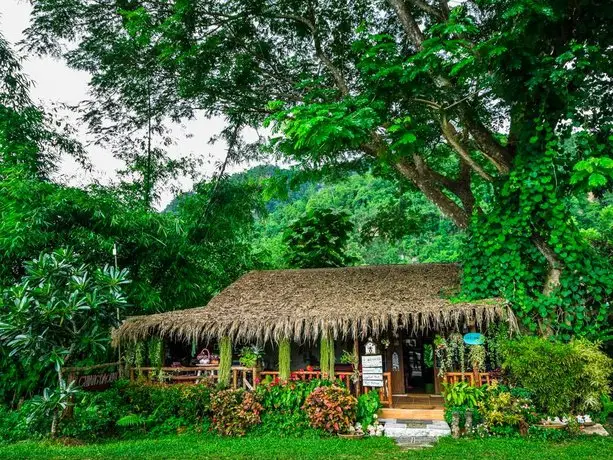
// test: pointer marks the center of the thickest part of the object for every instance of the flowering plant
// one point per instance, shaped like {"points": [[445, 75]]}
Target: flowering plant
{"points": [[234, 412], [331, 409]]}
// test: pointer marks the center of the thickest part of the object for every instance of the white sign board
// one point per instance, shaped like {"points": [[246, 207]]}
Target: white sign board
{"points": [[372, 361], [372, 371], [372, 380]]}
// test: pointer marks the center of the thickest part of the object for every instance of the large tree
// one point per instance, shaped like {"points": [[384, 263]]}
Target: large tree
{"points": [[475, 105]]}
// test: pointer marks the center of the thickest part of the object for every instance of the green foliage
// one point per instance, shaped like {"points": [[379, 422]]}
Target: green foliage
{"points": [[327, 356], [367, 408], [391, 224], [234, 412], [156, 358], [331, 409], [95, 415], [225, 361], [189, 402], [285, 359], [462, 394], [287, 397], [508, 255], [282, 425], [562, 377], [593, 173], [167, 254], [250, 356], [501, 408], [318, 239], [60, 313]]}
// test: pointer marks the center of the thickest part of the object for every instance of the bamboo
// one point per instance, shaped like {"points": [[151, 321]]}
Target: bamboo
{"points": [[324, 356], [284, 359], [225, 360]]}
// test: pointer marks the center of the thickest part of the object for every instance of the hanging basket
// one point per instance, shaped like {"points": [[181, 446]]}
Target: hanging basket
{"points": [[204, 357]]}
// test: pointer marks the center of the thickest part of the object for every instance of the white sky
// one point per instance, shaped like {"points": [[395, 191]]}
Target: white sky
{"points": [[55, 82]]}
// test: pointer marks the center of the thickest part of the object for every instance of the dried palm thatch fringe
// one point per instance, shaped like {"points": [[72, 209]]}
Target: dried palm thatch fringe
{"points": [[352, 302]]}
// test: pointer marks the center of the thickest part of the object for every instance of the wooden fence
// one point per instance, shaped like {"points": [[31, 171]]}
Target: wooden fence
{"points": [[248, 378]]}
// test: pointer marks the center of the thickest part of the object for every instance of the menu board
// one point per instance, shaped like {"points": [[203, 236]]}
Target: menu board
{"points": [[372, 371]]}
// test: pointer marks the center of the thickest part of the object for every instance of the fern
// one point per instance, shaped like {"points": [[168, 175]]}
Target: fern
{"points": [[131, 420]]}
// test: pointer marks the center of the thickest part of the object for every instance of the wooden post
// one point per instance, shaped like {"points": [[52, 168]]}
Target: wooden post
{"points": [[234, 379], [285, 356], [225, 360], [256, 377], [356, 350]]}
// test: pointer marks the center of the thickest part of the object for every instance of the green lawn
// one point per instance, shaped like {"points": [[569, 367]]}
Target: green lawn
{"points": [[203, 447]]}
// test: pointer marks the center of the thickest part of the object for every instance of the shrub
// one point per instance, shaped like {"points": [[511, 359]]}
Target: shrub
{"points": [[287, 397], [189, 402], [331, 409], [563, 377], [234, 412], [286, 424], [95, 415], [16, 425], [368, 406], [462, 394], [502, 409]]}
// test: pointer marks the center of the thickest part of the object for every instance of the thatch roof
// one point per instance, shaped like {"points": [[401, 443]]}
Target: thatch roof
{"points": [[300, 304]]}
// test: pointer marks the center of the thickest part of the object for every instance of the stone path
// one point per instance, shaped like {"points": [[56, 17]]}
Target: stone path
{"points": [[415, 434]]}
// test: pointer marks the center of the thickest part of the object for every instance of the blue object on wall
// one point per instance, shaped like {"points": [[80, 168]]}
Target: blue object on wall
{"points": [[474, 338]]}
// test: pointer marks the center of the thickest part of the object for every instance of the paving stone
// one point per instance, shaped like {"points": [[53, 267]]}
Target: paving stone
{"points": [[596, 429]]}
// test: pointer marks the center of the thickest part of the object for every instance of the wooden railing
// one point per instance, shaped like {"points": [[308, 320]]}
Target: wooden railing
{"points": [[241, 377], [385, 392], [473, 379], [248, 378]]}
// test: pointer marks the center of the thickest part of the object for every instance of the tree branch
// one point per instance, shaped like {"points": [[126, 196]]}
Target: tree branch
{"points": [[410, 26], [450, 133]]}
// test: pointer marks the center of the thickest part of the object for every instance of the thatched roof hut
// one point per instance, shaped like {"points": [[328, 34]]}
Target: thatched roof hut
{"points": [[301, 304]]}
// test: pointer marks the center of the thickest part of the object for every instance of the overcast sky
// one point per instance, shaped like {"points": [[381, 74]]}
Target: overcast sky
{"points": [[55, 82]]}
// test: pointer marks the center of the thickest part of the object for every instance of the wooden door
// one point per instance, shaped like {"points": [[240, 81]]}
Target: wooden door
{"points": [[395, 364]]}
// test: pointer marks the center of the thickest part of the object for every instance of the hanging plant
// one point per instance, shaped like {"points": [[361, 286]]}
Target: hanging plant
{"points": [[458, 352], [139, 356], [428, 356], [155, 356], [442, 355], [352, 358], [476, 355]]}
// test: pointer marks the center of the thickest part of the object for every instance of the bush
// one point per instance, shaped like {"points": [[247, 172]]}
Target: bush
{"points": [[368, 406], [284, 424], [189, 402], [287, 397], [234, 412], [503, 411], [331, 409], [462, 394], [95, 415], [16, 425], [562, 377]]}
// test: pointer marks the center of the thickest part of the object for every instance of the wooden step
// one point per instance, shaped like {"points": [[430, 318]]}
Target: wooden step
{"points": [[412, 414]]}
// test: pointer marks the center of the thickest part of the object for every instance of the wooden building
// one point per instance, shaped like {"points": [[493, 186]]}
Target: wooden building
{"points": [[399, 307]]}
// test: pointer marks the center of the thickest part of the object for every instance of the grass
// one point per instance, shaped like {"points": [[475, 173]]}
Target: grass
{"points": [[204, 447]]}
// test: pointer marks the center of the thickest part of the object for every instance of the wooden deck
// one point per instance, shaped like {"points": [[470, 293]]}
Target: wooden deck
{"points": [[418, 401], [412, 414]]}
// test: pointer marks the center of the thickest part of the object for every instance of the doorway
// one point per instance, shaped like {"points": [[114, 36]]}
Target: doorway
{"points": [[418, 369]]}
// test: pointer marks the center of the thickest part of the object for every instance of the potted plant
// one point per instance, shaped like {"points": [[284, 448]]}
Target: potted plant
{"points": [[251, 356]]}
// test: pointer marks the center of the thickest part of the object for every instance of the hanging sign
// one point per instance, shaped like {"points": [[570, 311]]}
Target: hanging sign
{"points": [[372, 371], [474, 338]]}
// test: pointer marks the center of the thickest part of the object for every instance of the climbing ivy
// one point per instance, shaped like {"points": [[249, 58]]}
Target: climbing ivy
{"points": [[531, 212]]}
